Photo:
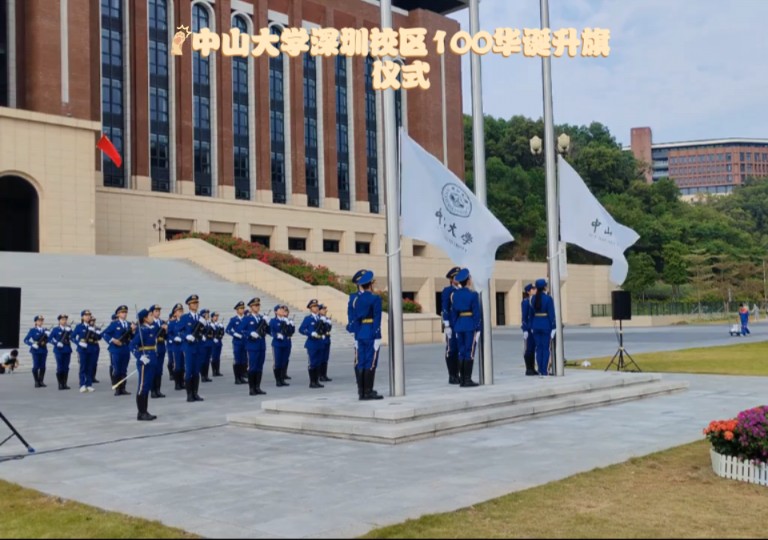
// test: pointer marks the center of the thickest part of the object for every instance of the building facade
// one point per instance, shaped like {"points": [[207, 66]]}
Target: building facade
{"points": [[283, 151], [705, 166]]}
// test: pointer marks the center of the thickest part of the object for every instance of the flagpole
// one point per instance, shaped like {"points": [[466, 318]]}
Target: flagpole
{"points": [[392, 190], [485, 364], [553, 228]]}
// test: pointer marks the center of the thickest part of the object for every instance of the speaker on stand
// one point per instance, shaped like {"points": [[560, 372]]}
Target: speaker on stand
{"points": [[621, 310], [10, 317]]}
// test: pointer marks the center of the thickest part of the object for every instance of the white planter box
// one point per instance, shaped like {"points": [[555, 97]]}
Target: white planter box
{"points": [[738, 469]]}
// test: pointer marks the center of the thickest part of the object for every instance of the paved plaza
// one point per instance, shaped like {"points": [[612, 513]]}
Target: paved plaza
{"points": [[189, 469]]}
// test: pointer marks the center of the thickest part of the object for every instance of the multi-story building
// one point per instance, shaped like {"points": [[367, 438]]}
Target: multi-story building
{"points": [[704, 166], [283, 151]]}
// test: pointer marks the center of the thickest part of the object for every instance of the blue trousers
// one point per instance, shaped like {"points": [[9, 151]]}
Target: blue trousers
{"points": [[120, 360], [171, 356], [178, 360], [744, 329], [216, 353], [193, 356], [316, 357], [466, 341], [146, 374], [281, 355], [452, 347], [256, 359], [543, 340], [62, 361], [205, 357], [530, 344], [327, 352], [367, 356], [38, 359], [161, 350], [238, 349], [87, 366]]}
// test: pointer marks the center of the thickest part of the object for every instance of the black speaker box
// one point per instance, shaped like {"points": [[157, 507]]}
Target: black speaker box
{"points": [[621, 303], [10, 317]]}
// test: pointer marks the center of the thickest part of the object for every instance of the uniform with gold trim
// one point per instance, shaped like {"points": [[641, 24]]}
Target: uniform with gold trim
{"points": [[281, 344], [529, 356], [238, 343], [451, 344], [191, 328], [97, 350], [254, 328], [542, 324], [118, 335], [327, 327], [218, 344], [162, 335], [87, 339], [37, 339], [351, 328], [60, 337], [144, 348], [314, 343], [207, 348], [174, 336], [466, 321], [367, 321]]}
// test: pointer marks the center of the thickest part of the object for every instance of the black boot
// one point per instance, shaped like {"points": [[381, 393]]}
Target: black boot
{"points": [[251, 384], [114, 382], [278, 377], [217, 368], [466, 368], [158, 383], [368, 392], [41, 376], [285, 374], [453, 370], [313, 379], [324, 372], [178, 381], [259, 391], [58, 379], [236, 371], [190, 391], [123, 391], [142, 404], [171, 373], [530, 368], [204, 373], [243, 373], [359, 377], [145, 401], [64, 377], [196, 383]]}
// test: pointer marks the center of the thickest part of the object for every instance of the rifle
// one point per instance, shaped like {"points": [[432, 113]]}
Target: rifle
{"points": [[42, 341], [127, 335]]}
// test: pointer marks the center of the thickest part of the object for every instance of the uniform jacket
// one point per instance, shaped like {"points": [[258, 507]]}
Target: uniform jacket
{"points": [[115, 330], [542, 319], [465, 311], [306, 329], [367, 319], [276, 326], [33, 336], [445, 301], [57, 336], [250, 323]]}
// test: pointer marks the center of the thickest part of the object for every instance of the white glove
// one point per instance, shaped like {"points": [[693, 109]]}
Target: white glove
{"points": [[254, 335], [190, 338], [205, 338], [60, 345], [144, 359], [68, 329], [177, 339], [447, 324], [525, 335], [91, 328], [553, 334], [448, 332], [280, 336], [315, 335], [215, 340], [35, 346], [83, 344], [355, 344], [376, 344], [238, 336]]}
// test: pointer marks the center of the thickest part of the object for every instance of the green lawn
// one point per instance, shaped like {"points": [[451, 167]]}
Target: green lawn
{"points": [[31, 514], [672, 494], [741, 359]]}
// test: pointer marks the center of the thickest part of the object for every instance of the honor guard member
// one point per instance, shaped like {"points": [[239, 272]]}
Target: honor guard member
{"points": [[281, 343], [466, 321], [351, 320], [161, 334], [191, 329], [118, 335], [87, 340], [238, 343], [37, 339], [207, 346], [327, 342], [176, 346], [314, 344], [97, 349], [254, 329], [290, 329], [451, 344], [367, 308], [217, 344], [62, 349], [529, 344], [111, 375], [144, 348], [542, 324]]}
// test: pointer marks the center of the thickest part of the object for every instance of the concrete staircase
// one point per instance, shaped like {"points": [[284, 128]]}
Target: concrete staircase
{"points": [[53, 284], [442, 411]]}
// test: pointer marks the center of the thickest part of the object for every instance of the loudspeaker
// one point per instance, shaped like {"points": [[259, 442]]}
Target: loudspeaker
{"points": [[10, 317], [621, 303]]}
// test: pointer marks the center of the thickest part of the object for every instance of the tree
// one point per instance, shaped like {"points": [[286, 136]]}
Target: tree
{"points": [[675, 270], [642, 274]]}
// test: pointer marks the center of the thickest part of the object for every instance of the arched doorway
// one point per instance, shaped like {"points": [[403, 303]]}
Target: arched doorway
{"points": [[19, 215]]}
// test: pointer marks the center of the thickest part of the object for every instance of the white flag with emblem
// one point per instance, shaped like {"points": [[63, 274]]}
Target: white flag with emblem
{"points": [[439, 209], [585, 223]]}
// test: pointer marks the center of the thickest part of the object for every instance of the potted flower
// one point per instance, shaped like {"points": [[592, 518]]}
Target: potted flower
{"points": [[740, 446]]}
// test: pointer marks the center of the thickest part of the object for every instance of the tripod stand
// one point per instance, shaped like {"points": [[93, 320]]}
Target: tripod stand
{"points": [[621, 365], [15, 434]]}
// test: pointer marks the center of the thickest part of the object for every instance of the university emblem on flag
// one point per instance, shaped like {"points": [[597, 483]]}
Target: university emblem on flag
{"points": [[456, 201]]}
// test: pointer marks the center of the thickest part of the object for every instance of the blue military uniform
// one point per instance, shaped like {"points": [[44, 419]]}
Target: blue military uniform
{"points": [[176, 347], [327, 327], [351, 328], [207, 348], [62, 349], [37, 339], [281, 346], [87, 338], [254, 328], [119, 354], [238, 345], [367, 323], [542, 324], [144, 348], [161, 336], [314, 344], [529, 344], [97, 350], [218, 344], [466, 320], [451, 344], [190, 329]]}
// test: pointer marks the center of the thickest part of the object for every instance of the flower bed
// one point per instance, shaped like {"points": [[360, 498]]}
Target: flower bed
{"points": [[740, 446], [285, 262]]}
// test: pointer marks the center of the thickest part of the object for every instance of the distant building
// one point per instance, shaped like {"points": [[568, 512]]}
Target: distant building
{"points": [[704, 166]]}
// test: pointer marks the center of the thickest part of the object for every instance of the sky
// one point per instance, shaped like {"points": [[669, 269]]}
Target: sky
{"points": [[688, 69]]}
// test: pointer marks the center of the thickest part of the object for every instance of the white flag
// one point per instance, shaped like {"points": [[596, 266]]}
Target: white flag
{"points": [[439, 209], [584, 222]]}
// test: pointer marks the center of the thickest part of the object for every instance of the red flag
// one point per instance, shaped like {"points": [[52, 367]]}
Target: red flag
{"points": [[106, 146]]}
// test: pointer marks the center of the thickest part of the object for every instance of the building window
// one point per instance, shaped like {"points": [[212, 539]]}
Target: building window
{"points": [[112, 95], [260, 239], [342, 134], [170, 233], [741, 168], [749, 156], [241, 141], [741, 156], [419, 251], [728, 156], [371, 143], [362, 248], [4, 61], [331, 246], [297, 244], [201, 111], [277, 124], [159, 123], [310, 130]]}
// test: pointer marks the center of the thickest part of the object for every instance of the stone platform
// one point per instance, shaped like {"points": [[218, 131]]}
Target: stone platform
{"points": [[432, 412]]}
